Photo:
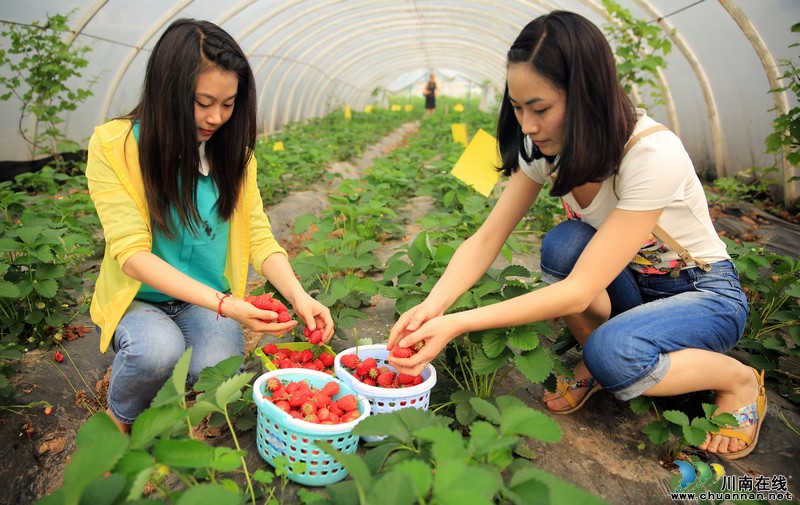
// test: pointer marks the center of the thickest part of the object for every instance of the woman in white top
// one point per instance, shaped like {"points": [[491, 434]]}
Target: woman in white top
{"points": [[658, 324]]}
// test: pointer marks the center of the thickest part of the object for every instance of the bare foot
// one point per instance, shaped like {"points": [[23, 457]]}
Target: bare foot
{"points": [[123, 427], [744, 393]]}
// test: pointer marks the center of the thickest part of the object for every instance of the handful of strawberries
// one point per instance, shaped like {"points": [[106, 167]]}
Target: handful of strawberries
{"points": [[316, 359], [267, 302], [368, 372], [304, 402]]}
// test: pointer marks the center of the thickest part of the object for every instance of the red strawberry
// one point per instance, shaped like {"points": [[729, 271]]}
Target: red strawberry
{"points": [[417, 380], [350, 361], [330, 388], [406, 379], [385, 379], [48, 410], [284, 317], [402, 352], [270, 348], [283, 405], [323, 414], [287, 363], [347, 403], [315, 337], [298, 398], [312, 418], [58, 356], [322, 400], [366, 366], [327, 359], [335, 409], [350, 416], [308, 408], [306, 355], [273, 384], [369, 381]]}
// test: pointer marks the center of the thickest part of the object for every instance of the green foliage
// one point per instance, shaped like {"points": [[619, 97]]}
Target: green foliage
{"points": [[772, 334], [749, 185], [640, 48], [423, 460], [786, 126], [161, 450], [40, 62]]}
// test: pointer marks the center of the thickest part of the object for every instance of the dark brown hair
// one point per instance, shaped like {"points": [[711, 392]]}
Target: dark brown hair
{"points": [[573, 55], [168, 146]]}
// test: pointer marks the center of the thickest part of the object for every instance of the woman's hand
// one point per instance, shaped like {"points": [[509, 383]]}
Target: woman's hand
{"points": [[255, 319], [315, 315], [435, 334], [410, 321]]}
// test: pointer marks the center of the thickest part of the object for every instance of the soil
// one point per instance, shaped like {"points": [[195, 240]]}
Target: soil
{"points": [[603, 449]]}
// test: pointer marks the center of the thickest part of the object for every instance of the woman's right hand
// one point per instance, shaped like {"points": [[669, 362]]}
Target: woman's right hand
{"points": [[255, 319], [410, 321]]}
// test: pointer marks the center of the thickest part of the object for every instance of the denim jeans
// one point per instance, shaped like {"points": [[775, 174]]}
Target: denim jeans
{"points": [[651, 316], [150, 339]]}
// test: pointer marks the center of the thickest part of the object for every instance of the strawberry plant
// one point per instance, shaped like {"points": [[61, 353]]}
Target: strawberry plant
{"points": [[163, 449], [423, 460]]}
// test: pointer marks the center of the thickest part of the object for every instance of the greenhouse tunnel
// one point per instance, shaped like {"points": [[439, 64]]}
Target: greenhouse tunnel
{"points": [[720, 87]]}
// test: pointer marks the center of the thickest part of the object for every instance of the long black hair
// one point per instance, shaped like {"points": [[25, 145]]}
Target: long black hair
{"points": [[573, 55], [168, 146]]}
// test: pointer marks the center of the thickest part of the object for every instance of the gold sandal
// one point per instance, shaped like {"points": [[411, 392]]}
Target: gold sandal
{"points": [[563, 387]]}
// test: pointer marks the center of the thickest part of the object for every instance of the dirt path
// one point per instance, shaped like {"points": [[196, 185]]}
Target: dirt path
{"points": [[603, 449]]}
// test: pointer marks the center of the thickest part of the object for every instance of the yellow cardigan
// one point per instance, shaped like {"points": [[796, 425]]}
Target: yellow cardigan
{"points": [[117, 190]]}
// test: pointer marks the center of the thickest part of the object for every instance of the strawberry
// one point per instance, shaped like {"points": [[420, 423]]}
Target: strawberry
{"points": [[385, 379], [306, 355], [308, 408], [283, 405], [270, 348], [350, 416], [284, 317], [369, 381], [327, 359], [406, 379], [323, 414], [58, 356], [298, 398], [315, 337], [366, 366], [335, 409], [347, 403], [286, 363], [312, 418], [350, 361], [321, 399], [330, 388], [273, 384], [417, 380], [402, 352], [48, 410]]}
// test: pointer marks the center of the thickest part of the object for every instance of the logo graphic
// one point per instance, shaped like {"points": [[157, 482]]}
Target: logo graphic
{"points": [[698, 472]]}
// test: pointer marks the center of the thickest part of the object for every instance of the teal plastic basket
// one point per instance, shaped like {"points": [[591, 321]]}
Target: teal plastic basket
{"points": [[279, 434]]}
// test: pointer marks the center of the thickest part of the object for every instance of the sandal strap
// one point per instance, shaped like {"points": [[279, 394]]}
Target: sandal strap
{"points": [[746, 416], [582, 383]]}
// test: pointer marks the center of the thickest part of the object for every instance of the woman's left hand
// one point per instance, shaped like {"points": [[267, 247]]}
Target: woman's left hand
{"points": [[314, 315]]}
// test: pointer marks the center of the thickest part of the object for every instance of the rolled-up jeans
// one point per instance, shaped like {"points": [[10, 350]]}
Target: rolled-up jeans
{"points": [[651, 316], [150, 339]]}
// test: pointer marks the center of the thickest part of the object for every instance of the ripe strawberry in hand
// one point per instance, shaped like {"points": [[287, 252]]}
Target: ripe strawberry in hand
{"points": [[267, 302], [313, 337]]}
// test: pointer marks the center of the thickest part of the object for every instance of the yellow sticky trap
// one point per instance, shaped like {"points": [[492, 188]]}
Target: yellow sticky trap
{"points": [[459, 133], [368, 108], [477, 164], [396, 108], [408, 107], [458, 107], [347, 112], [277, 146]]}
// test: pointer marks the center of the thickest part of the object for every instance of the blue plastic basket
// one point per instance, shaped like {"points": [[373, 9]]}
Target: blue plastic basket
{"points": [[279, 434]]}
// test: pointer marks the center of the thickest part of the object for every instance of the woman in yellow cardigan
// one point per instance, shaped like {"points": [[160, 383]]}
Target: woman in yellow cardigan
{"points": [[174, 184]]}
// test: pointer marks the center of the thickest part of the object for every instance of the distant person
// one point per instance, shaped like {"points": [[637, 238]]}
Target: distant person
{"points": [[174, 184], [430, 89], [650, 321]]}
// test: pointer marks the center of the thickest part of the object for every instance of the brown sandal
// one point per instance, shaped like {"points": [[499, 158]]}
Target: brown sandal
{"points": [[563, 387]]}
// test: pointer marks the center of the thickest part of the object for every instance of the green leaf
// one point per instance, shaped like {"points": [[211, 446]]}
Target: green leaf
{"points": [[694, 435], [104, 491], [210, 494], [535, 365], [210, 378], [525, 484], [231, 390], [392, 488], [420, 475], [446, 443], [352, 462], [523, 341], [301, 223], [456, 482], [183, 453], [154, 422], [485, 409], [483, 365], [704, 424], [677, 417], [657, 431], [641, 404], [529, 422], [709, 409], [493, 343], [174, 389], [389, 424], [100, 445]]}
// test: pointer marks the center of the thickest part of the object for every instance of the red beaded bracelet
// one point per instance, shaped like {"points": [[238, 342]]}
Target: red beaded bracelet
{"points": [[221, 299]]}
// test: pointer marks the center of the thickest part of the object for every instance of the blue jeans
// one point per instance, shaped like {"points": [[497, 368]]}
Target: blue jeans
{"points": [[651, 315], [150, 339]]}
